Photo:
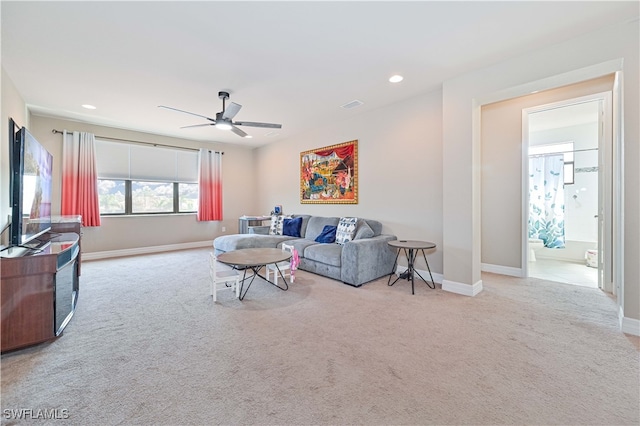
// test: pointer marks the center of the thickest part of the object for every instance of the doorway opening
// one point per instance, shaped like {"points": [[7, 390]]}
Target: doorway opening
{"points": [[568, 176]]}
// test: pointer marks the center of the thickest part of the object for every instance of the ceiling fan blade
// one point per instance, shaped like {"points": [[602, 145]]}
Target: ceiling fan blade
{"points": [[198, 125], [231, 110], [238, 132], [254, 124], [187, 112]]}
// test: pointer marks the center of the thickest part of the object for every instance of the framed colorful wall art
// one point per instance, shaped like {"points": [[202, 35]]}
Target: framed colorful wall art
{"points": [[329, 175]]}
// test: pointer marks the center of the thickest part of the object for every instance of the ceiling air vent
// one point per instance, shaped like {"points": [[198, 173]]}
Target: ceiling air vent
{"points": [[352, 104]]}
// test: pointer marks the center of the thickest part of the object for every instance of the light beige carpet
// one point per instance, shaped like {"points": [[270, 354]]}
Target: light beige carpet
{"points": [[148, 346]]}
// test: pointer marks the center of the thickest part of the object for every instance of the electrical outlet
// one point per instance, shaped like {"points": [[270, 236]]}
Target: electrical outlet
{"points": [[224, 229]]}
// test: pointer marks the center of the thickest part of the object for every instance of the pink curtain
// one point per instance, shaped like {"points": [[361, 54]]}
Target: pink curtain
{"points": [[210, 185], [80, 178]]}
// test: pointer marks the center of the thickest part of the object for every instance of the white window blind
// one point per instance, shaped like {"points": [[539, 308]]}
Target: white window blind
{"points": [[112, 160], [117, 160], [187, 166]]}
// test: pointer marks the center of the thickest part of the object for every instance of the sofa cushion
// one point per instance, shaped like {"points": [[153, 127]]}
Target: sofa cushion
{"points": [[375, 226], [305, 221], [300, 244], [276, 225], [316, 224], [291, 227], [328, 234], [258, 229], [364, 230], [242, 241], [346, 229], [330, 254]]}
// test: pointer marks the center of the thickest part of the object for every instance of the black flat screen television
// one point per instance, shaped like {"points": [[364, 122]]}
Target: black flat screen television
{"points": [[31, 180]]}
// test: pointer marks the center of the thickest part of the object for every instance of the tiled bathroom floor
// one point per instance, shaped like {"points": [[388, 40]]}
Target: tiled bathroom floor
{"points": [[564, 272]]}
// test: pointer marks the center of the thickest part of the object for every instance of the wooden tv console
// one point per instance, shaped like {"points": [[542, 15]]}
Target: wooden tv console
{"points": [[39, 290]]}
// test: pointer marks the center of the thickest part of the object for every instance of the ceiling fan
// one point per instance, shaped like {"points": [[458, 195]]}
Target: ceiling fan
{"points": [[224, 118]]}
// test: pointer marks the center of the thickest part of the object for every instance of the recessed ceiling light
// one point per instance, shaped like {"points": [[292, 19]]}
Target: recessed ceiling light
{"points": [[396, 78], [248, 136], [87, 106]]}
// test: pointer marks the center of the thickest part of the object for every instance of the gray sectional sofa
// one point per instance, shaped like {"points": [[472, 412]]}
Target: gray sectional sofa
{"points": [[365, 258]]}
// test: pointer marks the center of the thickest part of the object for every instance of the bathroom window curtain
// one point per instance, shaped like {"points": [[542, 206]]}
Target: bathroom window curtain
{"points": [[546, 199], [80, 177], [210, 185]]}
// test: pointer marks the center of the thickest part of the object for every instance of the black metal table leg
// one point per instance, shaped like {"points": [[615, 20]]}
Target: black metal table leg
{"points": [[411, 249], [244, 277], [411, 259], [256, 270], [431, 284], [393, 270], [255, 259]]}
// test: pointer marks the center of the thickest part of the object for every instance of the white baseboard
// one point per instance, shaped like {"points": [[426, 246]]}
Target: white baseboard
{"points": [[461, 288], [628, 325], [144, 250], [502, 270]]}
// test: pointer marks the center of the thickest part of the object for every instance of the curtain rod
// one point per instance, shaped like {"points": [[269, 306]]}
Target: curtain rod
{"points": [[562, 152], [54, 131]]}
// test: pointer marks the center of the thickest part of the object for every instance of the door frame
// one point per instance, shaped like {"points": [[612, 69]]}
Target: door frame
{"points": [[606, 167]]}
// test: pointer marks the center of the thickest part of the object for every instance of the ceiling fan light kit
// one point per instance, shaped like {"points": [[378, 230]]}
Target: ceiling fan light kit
{"points": [[224, 118], [223, 125]]}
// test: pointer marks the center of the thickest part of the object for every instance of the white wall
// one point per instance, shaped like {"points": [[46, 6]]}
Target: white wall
{"points": [[592, 55], [131, 232], [12, 106], [420, 160], [400, 170], [501, 175]]}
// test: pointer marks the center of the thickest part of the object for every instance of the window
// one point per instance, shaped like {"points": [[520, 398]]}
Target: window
{"points": [[569, 173], [111, 196], [135, 179], [187, 197], [146, 197], [151, 197], [566, 148]]}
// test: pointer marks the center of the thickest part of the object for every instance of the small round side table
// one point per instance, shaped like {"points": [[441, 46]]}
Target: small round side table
{"points": [[411, 248]]}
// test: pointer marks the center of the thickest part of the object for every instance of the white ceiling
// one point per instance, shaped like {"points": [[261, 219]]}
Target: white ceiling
{"points": [[293, 63]]}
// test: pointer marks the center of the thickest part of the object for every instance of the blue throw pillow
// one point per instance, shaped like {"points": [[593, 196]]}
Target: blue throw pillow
{"points": [[291, 227], [328, 234]]}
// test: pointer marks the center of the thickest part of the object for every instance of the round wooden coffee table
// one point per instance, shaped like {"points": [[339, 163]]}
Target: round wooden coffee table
{"points": [[255, 259]]}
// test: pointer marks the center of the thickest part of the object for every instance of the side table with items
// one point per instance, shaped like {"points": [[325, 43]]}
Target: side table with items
{"points": [[244, 222], [411, 248]]}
